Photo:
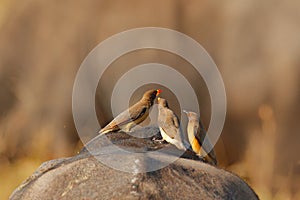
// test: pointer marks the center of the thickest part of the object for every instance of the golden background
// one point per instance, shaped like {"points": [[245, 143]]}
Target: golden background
{"points": [[255, 44]]}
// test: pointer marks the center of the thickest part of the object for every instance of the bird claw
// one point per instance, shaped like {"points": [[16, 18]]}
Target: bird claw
{"points": [[160, 141]]}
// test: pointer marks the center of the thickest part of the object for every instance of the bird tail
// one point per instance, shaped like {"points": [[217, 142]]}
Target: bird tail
{"points": [[211, 160], [181, 146], [104, 131], [186, 144]]}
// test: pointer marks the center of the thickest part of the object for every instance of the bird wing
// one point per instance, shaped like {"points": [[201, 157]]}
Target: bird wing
{"points": [[175, 121], [200, 136], [169, 123], [127, 116]]}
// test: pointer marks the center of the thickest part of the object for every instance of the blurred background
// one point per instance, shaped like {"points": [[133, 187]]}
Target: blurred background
{"points": [[255, 44]]}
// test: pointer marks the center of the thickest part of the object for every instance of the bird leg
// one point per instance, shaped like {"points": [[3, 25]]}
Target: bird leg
{"points": [[159, 140]]}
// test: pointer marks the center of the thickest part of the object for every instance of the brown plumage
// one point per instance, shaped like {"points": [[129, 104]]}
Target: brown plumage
{"points": [[196, 134], [134, 115], [169, 125]]}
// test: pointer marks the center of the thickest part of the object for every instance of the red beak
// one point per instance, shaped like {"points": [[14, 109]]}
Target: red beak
{"points": [[158, 92]]}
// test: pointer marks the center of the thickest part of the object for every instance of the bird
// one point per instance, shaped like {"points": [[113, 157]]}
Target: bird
{"points": [[134, 115], [169, 126], [196, 133]]}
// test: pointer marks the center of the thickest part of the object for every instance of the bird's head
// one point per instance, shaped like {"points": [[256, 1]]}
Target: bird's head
{"points": [[162, 102], [191, 115], [150, 95]]}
